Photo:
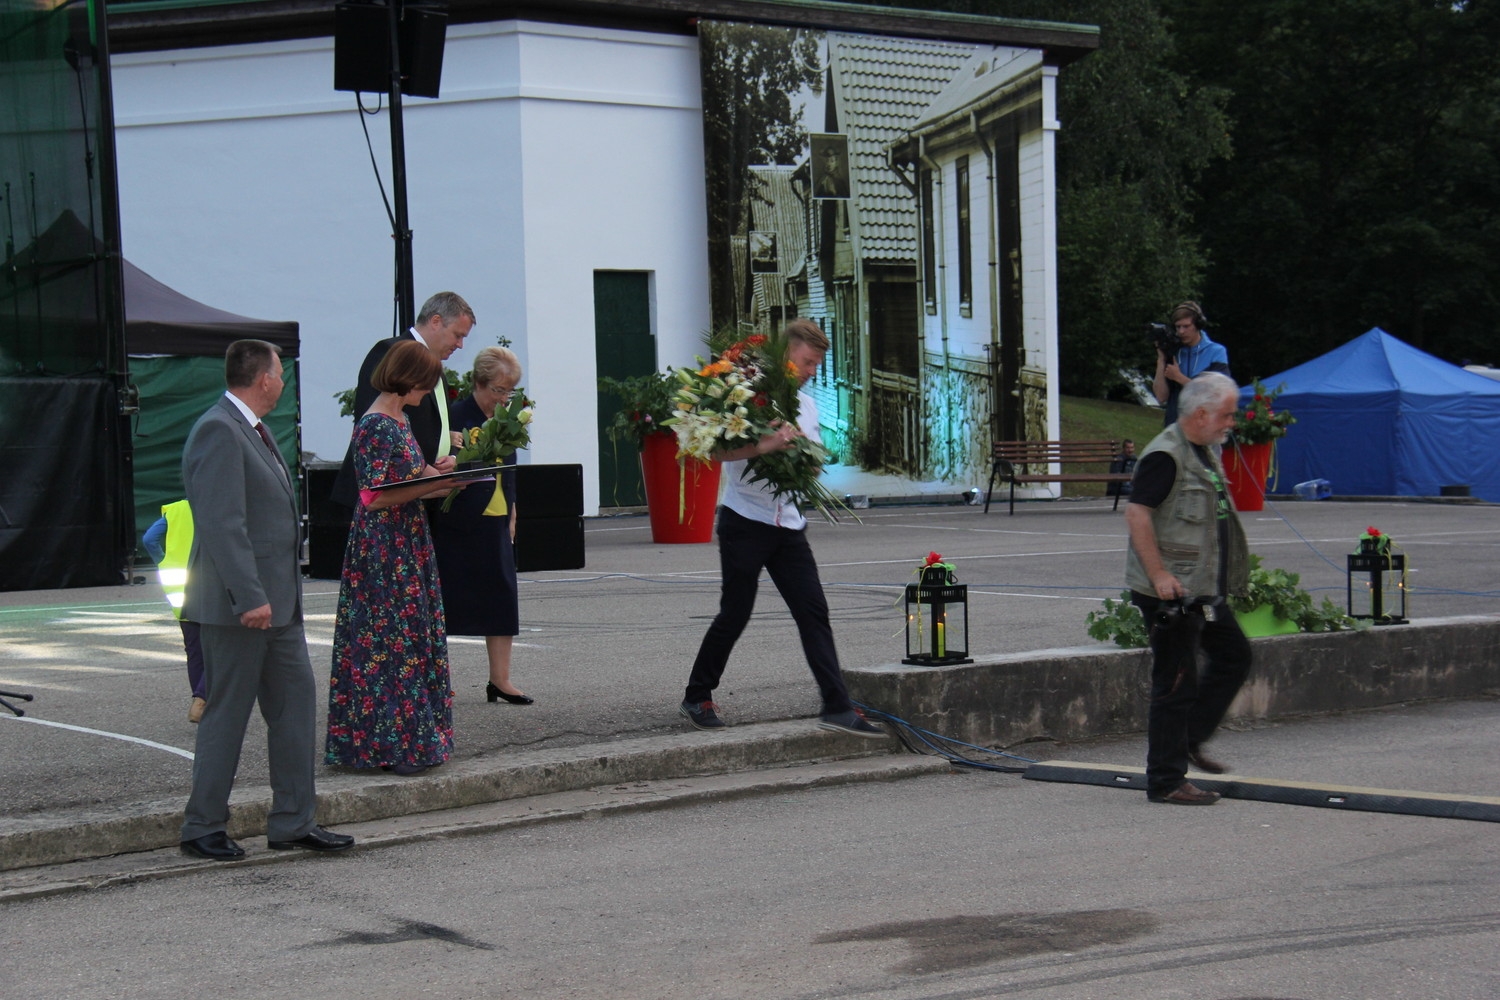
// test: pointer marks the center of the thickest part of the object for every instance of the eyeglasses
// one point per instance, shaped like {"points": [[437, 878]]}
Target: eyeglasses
{"points": [[503, 391]]}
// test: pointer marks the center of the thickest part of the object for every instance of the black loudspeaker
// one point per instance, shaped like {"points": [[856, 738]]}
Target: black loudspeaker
{"points": [[549, 517], [362, 44], [327, 525]]}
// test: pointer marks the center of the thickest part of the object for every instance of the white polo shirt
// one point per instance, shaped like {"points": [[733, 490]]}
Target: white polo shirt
{"points": [[754, 500]]}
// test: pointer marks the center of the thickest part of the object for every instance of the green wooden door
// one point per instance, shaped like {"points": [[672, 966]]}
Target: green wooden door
{"points": [[624, 346]]}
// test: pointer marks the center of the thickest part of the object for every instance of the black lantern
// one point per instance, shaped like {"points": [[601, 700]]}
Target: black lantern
{"points": [[1375, 558], [937, 619]]}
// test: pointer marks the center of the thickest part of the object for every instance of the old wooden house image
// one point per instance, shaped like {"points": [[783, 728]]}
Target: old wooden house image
{"points": [[912, 208]]}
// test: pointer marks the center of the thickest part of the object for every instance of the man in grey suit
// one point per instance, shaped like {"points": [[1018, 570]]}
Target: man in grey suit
{"points": [[244, 588]]}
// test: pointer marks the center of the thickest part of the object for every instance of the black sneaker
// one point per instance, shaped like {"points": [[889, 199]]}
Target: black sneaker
{"points": [[853, 723], [703, 715]]}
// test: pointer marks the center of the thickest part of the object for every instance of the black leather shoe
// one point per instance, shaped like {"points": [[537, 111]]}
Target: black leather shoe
{"points": [[316, 839], [214, 846], [493, 694]]}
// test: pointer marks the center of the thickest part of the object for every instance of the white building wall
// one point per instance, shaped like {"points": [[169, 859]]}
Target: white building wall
{"points": [[554, 151]]}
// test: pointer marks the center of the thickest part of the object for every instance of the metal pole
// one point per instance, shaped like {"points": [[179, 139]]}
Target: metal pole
{"points": [[405, 304]]}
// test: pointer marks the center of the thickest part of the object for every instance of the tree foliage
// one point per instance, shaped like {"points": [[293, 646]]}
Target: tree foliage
{"points": [[750, 73], [1365, 191]]}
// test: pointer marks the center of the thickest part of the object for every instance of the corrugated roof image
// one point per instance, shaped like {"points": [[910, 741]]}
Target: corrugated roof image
{"points": [[775, 207], [882, 87]]}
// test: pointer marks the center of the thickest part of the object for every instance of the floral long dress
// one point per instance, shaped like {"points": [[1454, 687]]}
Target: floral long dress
{"points": [[390, 700]]}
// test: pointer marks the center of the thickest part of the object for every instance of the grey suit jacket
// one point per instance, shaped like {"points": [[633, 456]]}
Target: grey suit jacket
{"points": [[246, 530]]}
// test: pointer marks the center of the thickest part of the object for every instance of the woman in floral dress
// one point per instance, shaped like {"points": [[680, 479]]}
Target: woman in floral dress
{"points": [[390, 704]]}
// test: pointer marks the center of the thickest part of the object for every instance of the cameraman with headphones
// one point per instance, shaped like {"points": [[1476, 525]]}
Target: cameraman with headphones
{"points": [[1196, 355]]}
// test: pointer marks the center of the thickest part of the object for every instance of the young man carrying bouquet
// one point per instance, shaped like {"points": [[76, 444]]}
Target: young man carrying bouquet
{"points": [[760, 523]]}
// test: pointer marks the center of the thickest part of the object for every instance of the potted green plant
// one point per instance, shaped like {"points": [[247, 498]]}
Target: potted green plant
{"points": [[1248, 456], [681, 493], [1274, 604], [645, 401]]}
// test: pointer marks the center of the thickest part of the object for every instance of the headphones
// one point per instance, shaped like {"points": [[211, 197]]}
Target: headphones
{"points": [[1195, 313]]}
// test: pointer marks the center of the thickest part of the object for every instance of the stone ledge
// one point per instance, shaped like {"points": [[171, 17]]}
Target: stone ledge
{"points": [[347, 796], [1070, 694]]}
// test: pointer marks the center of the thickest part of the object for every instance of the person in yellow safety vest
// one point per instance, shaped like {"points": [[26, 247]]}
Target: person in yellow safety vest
{"points": [[168, 541]]}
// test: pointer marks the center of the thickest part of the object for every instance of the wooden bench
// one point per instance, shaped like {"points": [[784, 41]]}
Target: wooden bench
{"points": [[1012, 458]]}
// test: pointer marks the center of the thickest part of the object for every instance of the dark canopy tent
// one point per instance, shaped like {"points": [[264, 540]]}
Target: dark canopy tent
{"points": [[176, 351], [176, 347], [1378, 417]]}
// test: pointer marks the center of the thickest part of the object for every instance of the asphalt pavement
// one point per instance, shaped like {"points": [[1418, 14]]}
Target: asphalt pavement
{"points": [[940, 886], [605, 650]]}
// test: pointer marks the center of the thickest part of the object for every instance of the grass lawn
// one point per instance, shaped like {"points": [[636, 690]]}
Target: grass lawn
{"points": [[1099, 420]]}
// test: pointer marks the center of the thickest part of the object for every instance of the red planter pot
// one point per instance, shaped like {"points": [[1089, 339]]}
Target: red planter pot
{"points": [[680, 497], [1245, 468]]}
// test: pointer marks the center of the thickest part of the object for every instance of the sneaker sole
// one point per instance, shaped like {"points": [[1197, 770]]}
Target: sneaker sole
{"points": [[698, 725], [878, 734]]}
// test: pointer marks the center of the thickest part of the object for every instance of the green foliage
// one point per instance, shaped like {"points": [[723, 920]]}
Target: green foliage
{"points": [[1138, 134], [1120, 621], [645, 401], [1368, 189], [1260, 422], [1289, 602]]}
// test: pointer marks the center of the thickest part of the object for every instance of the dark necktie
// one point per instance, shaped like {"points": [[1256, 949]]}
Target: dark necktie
{"points": [[265, 436]]}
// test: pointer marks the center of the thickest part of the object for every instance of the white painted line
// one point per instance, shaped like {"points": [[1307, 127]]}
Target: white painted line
{"points": [[100, 732]]}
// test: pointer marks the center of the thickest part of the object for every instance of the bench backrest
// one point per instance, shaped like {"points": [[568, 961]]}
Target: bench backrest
{"points": [[1048, 452]]}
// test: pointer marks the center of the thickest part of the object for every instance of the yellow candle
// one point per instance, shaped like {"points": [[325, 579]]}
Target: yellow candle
{"points": [[942, 640]]}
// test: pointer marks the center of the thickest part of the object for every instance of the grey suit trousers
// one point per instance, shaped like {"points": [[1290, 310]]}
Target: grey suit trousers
{"points": [[243, 666]]}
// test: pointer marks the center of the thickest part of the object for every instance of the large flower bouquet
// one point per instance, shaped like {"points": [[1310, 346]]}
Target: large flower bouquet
{"points": [[496, 438], [743, 394], [1260, 422]]}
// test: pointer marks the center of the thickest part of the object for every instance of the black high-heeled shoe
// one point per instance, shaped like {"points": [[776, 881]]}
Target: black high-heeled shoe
{"points": [[493, 694]]}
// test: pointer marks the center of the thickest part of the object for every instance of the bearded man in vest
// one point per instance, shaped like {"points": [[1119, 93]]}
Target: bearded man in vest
{"points": [[1188, 555]]}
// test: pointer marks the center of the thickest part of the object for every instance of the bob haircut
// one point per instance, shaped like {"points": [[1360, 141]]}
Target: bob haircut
{"points": [[406, 366]]}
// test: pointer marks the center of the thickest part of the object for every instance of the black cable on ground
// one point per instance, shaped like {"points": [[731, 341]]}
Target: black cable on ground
{"points": [[925, 742]]}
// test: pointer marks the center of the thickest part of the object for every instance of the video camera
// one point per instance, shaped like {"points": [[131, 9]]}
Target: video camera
{"points": [[1165, 338]]}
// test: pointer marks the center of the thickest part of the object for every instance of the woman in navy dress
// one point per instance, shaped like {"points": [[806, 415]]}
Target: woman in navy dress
{"points": [[476, 560], [390, 704]]}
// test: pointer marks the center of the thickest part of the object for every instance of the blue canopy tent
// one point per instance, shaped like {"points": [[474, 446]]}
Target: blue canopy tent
{"points": [[1377, 417]]}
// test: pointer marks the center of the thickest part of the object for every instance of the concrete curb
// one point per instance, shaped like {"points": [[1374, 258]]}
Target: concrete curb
{"points": [[491, 817], [1071, 694], [347, 797]]}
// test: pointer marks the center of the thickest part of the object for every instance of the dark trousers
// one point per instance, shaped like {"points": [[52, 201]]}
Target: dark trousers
{"points": [[745, 548], [1186, 704], [192, 645]]}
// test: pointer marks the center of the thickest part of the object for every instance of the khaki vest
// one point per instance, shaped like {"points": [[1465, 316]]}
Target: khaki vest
{"points": [[1187, 528]]}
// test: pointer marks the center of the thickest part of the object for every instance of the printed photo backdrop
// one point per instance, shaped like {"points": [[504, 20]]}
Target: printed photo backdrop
{"points": [[896, 192]]}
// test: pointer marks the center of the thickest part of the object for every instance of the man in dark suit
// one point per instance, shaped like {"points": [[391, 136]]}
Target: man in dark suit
{"points": [[244, 587], [443, 323]]}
